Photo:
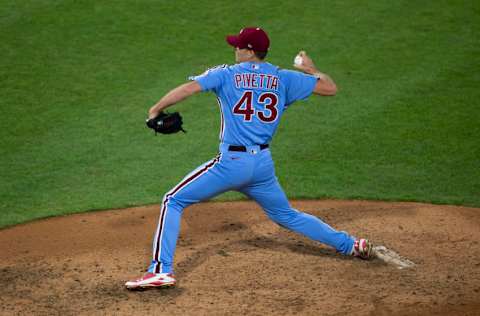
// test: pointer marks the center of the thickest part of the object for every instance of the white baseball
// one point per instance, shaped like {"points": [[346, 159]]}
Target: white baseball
{"points": [[298, 60]]}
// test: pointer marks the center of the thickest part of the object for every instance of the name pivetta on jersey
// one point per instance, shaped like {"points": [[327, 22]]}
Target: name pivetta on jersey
{"points": [[252, 98], [256, 81]]}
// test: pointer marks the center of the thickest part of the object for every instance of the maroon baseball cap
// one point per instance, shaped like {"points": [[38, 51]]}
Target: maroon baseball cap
{"points": [[253, 38]]}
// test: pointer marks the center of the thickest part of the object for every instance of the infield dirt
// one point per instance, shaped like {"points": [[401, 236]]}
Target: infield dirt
{"points": [[232, 260]]}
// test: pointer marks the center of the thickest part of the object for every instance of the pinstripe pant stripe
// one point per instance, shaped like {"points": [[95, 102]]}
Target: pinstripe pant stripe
{"points": [[164, 207]]}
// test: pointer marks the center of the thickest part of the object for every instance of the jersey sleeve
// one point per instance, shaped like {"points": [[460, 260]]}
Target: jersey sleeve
{"points": [[211, 79], [299, 86]]}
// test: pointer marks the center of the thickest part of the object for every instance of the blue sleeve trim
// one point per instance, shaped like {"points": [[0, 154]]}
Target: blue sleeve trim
{"points": [[313, 82], [203, 78]]}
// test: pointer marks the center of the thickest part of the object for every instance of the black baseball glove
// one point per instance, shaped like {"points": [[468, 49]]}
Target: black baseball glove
{"points": [[166, 123]]}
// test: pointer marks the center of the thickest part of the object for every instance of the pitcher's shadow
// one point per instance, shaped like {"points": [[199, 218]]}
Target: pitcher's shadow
{"points": [[194, 260]]}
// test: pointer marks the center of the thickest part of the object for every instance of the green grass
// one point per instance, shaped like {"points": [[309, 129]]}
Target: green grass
{"points": [[77, 78]]}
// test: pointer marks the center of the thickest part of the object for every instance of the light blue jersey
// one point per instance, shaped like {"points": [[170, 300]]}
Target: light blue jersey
{"points": [[252, 98]]}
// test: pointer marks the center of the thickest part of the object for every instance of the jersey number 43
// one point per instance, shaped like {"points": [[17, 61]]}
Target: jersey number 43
{"points": [[245, 108]]}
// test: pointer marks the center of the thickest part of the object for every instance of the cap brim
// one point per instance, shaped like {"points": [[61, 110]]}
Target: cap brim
{"points": [[232, 40]]}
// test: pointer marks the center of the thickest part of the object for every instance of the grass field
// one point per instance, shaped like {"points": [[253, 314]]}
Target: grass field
{"points": [[77, 78]]}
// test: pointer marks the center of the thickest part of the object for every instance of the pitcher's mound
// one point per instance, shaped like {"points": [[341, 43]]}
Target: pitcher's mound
{"points": [[232, 260]]}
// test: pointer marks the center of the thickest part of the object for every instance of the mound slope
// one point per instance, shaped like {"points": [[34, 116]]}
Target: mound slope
{"points": [[232, 260]]}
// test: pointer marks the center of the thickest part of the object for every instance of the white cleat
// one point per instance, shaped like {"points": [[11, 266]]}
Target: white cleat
{"points": [[152, 280]]}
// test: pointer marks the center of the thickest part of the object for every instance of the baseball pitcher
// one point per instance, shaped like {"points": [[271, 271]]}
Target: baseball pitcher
{"points": [[253, 95]]}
